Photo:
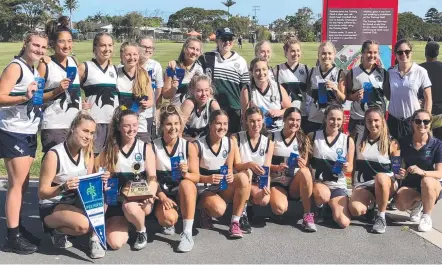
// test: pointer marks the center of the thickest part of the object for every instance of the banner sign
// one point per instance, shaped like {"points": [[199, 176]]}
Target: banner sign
{"points": [[349, 23], [90, 190]]}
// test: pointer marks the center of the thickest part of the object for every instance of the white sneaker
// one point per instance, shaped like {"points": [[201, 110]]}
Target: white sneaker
{"points": [[425, 224], [416, 212]]}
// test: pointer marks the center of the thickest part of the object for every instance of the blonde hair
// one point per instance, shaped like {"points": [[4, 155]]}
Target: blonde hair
{"points": [[142, 85], [113, 143], [324, 44], [384, 139], [194, 82], [169, 110], [290, 41], [79, 118], [258, 47], [28, 39]]}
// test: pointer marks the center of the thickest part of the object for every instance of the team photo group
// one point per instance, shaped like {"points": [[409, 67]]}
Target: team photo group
{"points": [[210, 129]]}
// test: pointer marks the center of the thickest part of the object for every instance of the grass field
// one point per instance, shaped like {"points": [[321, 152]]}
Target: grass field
{"points": [[169, 51]]}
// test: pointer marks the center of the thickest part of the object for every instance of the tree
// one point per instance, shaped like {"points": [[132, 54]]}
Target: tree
{"points": [[228, 4], [433, 16], [239, 25], [302, 21], [37, 12], [196, 18], [133, 21], [71, 5], [409, 26], [11, 20]]}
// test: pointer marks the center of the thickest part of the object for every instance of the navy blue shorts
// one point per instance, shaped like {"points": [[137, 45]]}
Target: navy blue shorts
{"points": [[114, 210], [418, 188], [338, 192], [17, 144]]}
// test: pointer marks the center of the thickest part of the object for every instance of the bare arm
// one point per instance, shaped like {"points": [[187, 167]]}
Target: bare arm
{"points": [[428, 99], [8, 80], [193, 173], [186, 109]]}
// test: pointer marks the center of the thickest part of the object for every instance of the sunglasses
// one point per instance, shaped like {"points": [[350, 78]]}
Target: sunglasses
{"points": [[169, 109], [419, 121], [225, 39], [407, 52]]}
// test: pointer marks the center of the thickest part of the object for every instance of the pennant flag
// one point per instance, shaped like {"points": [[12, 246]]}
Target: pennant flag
{"points": [[90, 190]]}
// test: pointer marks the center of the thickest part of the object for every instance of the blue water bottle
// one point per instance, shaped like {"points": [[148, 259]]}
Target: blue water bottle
{"points": [[37, 98]]}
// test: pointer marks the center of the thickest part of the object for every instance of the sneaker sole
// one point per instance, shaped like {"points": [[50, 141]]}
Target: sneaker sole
{"points": [[184, 250], [236, 236], [21, 252], [378, 231], [246, 232]]}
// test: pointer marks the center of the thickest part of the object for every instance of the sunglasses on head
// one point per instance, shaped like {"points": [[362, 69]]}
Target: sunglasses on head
{"points": [[419, 121], [407, 52]]}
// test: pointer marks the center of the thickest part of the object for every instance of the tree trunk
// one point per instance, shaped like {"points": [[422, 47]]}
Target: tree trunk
{"points": [[70, 19]]}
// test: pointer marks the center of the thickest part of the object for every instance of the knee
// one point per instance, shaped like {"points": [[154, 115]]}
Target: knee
{"points": [[115, 243], [187, 187], [427, 183], [170, 218], [279, 209], [343, 221], [382, 179], [400, 205], [306, 177], [321, 197], [130, 208], [242, 180], [357, 208], [81, 227], [264, 201]]}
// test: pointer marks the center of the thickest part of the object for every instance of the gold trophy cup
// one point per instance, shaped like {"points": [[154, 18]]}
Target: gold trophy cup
{"points": [[137, 189]]}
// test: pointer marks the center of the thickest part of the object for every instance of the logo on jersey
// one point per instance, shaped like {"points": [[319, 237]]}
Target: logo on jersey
{"points": [[111, 74], [181, 156], [332, 77], [224, 153], [138, 157], [301, 72], [272, 98], [427, 154], [236, 65], [261, 152], [378, 78], [106, 96], [339, 152], [295, 148]]}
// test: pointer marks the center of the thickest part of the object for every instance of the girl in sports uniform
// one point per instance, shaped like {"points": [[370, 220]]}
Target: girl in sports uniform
{"points": [[333, 153], [421, 188], [373, 179], [175, 188], [214, 151], [266, 94], [291, 178], [98, 79], [174, 89], [263, 49], [293, 75], [128, 159], [60, 112], [254, 151], [326, 85], [370, 77], [198, 106], [60, 209], [135, 90], [19, 120]]}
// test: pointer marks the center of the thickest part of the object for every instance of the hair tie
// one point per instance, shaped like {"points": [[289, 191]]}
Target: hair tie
{"points": [[122, 107]]}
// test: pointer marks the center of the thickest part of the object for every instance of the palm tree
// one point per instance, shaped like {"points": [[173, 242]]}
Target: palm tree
{"points": [[228, 3], [71, 5]]}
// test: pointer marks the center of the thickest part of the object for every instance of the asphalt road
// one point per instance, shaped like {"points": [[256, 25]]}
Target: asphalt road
{"points": [[272, 243]]}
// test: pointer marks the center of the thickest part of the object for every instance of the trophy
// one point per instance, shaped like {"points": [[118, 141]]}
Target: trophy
{"points": [[137, 189]]}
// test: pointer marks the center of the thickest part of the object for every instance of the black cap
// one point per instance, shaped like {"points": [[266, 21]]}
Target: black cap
{"points": [[432, 49], [224, 32]]}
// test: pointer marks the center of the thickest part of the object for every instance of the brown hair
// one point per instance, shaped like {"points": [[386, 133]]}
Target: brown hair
{"points": [[113, 143], [54, 28], [142, 85], [421, 111], [215, 114], [289, 41], [366, 44], [28, 39], [329, 109], [400, 42], [252, 65], [384, 139], [169, 110], [185, 46], [79, 118], [304, 145], [97, 39]]}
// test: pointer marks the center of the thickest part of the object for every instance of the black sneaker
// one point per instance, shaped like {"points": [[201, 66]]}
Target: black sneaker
{"points": [[141, 240], [370, 215], [391, 205], [245, 225], [29, 236], [19, 245]]}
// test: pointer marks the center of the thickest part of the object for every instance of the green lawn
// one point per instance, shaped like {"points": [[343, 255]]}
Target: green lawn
{"points": [[169, 51]]}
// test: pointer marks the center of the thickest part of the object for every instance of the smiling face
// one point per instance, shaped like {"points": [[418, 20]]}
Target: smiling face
{"points": [[260, 71], [374, 122], [327, 55], [63, 46], [171, 127], [254, 123], [130, 56], [128, 127], [334, 120], [192, 51], [104, 48], [370, 55], [202, 91], [293, 53], [265, 51], [83, 134], [219, 126], [36, 48], [419, 121], [404, 53], [292, 122]]}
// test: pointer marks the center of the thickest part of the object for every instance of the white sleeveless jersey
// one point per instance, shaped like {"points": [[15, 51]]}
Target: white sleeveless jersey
{"points": [[60, 113], [324, 157], [67, 168], [181, 93], [100, 89], [126, 98], [369, 163], [269, 99], [163, 166], [295, 83], [212, 160], [23, 118], [248, 153], [281, 154], [376, 78], [130, 165], [316, 110], [198, 122]]}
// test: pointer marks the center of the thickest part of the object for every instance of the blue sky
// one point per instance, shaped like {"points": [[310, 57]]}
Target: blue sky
{"points": [[269, 10]]}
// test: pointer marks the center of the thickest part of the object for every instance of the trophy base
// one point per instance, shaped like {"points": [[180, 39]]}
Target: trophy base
{"points": [[136, 191]]}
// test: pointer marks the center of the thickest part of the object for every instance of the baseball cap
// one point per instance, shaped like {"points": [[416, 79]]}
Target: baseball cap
{"points": [[432, 49], [224, 32]]}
